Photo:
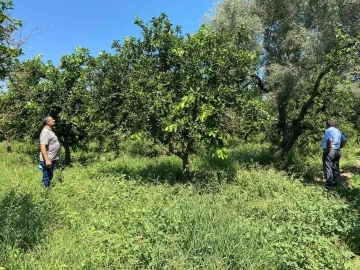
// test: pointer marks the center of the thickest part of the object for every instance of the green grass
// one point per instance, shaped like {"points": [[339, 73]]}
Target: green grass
{"points": [[131, 213]]}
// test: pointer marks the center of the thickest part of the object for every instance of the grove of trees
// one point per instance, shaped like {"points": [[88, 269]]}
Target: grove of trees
{"points": [[278, 68]]}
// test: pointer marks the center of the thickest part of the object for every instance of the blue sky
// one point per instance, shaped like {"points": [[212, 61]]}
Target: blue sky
{"points": [[95, 24]]}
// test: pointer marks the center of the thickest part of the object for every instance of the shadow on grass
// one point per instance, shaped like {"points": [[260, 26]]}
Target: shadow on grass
{"points": [[352, 169], [21, 223], [85, 159], [153, 170], [211, 169], [29, 150], [204, 169], [352, 196], [346, 190], [78, 155], [248, 156]]}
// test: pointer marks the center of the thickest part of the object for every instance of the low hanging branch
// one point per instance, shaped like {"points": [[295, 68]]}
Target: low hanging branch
{"points": [[260, 83]]}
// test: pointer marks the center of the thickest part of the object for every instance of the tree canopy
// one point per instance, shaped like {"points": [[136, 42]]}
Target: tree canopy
{"points": [[178, 86], [308, 49], [278, 68]]}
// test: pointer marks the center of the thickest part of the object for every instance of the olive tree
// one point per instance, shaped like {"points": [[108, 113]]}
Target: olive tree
{"points": [[305, 45]]}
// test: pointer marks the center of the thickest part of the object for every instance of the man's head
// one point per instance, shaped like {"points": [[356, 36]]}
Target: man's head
{"points": [[330, 123], [49, 121]]}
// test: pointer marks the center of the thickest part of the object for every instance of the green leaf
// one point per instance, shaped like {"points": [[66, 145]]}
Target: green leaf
{"points": [[171, 128], [222, 153], [212, 132]]}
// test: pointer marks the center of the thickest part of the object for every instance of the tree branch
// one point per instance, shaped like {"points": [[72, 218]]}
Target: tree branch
{"points": [[22, 39], [172, 149], [260, 83], [315, 92]]}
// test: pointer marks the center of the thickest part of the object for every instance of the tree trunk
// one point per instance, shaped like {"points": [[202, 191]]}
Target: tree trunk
{"points": [[116, 146], [101, 145], [284, 127], [9, 146], [184, 155], [291, 135], [67, 151], [289, 142], [186, 169]]}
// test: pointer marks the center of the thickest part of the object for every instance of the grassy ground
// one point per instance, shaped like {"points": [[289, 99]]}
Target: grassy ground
{"points": [[131, 213]]}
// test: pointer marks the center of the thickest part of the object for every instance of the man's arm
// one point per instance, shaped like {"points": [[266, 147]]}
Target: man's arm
{"points": [[328, 145], [343, 140], [44, 141], [342, 144], [45, 155]]}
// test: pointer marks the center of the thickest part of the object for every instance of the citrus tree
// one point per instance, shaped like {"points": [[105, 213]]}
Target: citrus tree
{"points": [[180, 86], [38, 89]]}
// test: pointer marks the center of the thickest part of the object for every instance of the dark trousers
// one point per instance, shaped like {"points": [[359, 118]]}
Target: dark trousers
{"points": [[47, 172], [331, 167]]}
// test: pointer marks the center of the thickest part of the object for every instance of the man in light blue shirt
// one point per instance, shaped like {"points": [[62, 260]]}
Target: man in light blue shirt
{"points": [[331, 144]]}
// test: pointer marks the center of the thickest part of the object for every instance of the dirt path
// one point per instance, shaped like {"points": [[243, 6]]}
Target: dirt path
{"points": [[348, 173]]}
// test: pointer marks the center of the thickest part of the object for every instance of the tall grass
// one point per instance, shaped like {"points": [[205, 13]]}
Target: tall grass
{"points": [[130, 213]]}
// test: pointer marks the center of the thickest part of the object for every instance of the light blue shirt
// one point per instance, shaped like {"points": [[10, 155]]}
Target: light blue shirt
{"points": [[336, 137]]}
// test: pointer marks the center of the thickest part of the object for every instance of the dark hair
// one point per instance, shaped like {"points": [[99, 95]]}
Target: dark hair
{"points": [[330, 123]]}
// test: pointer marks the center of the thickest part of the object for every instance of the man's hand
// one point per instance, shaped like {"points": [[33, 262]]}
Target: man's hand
{"points": [[328, 146], [342, 144], [45, 156], [48, 163]]}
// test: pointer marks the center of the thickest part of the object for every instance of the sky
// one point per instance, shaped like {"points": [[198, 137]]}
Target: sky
{"points": [[94, 24]]}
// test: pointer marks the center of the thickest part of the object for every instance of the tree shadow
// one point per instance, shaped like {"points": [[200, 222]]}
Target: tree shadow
{"points": [[86, 158], [205, 169], [22, 223], [353, 169], [211, 169], [352, 197], [30, 150], [157, 171], [251, 157], [350, 193]]}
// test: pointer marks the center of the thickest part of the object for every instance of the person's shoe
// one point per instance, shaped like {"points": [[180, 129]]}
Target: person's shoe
{"points": [[327, 188]]}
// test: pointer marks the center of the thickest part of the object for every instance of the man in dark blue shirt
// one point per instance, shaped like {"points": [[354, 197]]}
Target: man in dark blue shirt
{"points": [[332, 142]]}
